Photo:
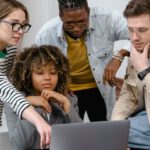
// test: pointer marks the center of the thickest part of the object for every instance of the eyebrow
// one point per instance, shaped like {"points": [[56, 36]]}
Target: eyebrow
{"points": [[17, 21], [137, 27]]}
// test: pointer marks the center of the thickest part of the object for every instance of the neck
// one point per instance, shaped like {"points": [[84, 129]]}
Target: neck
{"points": [[73, 37], [149, 53], [2, 45]]}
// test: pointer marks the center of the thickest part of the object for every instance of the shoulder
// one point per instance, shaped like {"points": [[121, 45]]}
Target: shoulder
{"points": [[104, 12], [50, 25], [11, 50]]}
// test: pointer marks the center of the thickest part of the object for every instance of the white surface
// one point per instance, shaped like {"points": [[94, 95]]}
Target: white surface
{"points": [[3, 128], [4, 141]]}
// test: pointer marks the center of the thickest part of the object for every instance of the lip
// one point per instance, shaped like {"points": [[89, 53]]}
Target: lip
{"points": [[46, 85], [137, 44], [78, 34], [16, 38]]}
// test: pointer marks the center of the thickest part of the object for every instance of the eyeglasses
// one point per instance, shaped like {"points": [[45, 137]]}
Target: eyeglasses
{"points": [[71, 26], [17, 26], [139, 31]]}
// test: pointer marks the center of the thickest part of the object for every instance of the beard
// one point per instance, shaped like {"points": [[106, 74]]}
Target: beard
{"points": [[75, 37]]}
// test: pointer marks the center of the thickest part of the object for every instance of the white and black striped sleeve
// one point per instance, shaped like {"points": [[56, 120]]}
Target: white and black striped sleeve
{"points": [[9, 95]]}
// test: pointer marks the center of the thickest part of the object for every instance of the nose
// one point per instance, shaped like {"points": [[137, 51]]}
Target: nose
{"points": [[76, 28], [20, 30], [46, 76], [134, 36]]}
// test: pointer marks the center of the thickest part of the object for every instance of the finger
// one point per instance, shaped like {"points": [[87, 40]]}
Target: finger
{"points": [[45, 139], [113, 78], [145, 51], [45, 95], [110, 78], [47, 107], [42, 141], [107, 76], [104, 78], [133, 51], [48, 138]]}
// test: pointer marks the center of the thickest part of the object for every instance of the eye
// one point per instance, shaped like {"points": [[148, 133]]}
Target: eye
{"points": [[53, 71], [70, 26], [39, 72], [142, 30], [130, 30]]}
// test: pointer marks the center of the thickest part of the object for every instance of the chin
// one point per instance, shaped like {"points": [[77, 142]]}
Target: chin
{"points": [[138, 48], [14, 43]]}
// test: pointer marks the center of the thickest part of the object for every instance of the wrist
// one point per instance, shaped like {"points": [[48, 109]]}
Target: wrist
{"points": [[118, 55], [124, 53], [142, 74]]}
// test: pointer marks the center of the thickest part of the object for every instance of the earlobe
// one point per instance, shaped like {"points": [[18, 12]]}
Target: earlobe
{"points": [[60, 15], [88, 10]]}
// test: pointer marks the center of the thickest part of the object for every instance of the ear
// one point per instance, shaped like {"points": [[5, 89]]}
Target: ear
{"points": [[88, 10], [61, 14]]}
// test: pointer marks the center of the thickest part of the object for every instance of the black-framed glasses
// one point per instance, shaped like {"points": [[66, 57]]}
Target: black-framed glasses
{"points": [[71, 26], [17, 26]]}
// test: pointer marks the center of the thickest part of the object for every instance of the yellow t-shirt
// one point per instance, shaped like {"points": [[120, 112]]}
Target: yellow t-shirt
{"points": [[81, 75]]}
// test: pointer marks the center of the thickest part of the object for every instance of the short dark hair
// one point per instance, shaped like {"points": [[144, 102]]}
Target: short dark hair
{"points": [[136, 8], [72, 4]]}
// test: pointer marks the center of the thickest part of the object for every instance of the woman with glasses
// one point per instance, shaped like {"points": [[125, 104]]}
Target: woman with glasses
{"points": [[14, 20]]}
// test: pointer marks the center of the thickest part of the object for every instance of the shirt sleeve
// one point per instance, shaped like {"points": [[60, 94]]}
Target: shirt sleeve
{"points": [[9, 95], [146, 82], [127, 102]]}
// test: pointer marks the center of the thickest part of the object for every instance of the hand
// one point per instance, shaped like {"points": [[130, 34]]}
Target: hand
{"points": [[44, 130], [139, 60], [62, 100], [69, 91], [40, 102], [42, 126], [110, 71], [119, 83]]}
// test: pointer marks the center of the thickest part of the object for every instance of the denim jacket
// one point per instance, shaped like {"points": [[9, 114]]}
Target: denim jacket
{"points": [[105, 27]]}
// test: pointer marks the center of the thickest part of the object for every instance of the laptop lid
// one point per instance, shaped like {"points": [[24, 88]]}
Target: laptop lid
{"points": [[106, 135]]}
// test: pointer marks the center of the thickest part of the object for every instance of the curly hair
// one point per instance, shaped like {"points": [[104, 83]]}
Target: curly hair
{"points": [[36, 56]]}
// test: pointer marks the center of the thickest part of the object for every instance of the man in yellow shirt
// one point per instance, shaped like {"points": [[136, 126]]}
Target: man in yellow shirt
{"points": [[87, 36]]}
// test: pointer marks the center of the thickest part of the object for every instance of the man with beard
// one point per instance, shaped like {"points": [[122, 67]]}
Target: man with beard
{"points": [[87, 36], [134, 99]]}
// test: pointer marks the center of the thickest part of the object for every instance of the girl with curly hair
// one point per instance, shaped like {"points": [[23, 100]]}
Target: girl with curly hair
{"points": [[41, 73]]}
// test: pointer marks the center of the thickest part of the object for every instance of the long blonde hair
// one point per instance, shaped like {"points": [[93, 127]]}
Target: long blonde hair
{"points": [[8, 6]]}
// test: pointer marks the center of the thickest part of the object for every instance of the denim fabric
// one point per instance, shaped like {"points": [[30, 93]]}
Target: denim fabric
{"points": [[105, 27], [139, 135]]}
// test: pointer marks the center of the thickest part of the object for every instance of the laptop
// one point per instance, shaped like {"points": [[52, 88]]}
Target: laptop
{"points": [[104, 135]]}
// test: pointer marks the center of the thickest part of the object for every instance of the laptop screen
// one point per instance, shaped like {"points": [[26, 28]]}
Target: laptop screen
{"points": [[104, 135]]}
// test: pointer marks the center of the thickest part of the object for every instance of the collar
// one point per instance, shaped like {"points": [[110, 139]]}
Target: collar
{"points": [[3, 53]]}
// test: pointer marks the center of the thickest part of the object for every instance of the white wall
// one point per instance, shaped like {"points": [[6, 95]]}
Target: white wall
{"points": [[114, 4], [40, 11]]}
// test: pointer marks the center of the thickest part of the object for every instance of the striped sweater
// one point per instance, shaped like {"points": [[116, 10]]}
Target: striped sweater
{"points": [[8, 93]]}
